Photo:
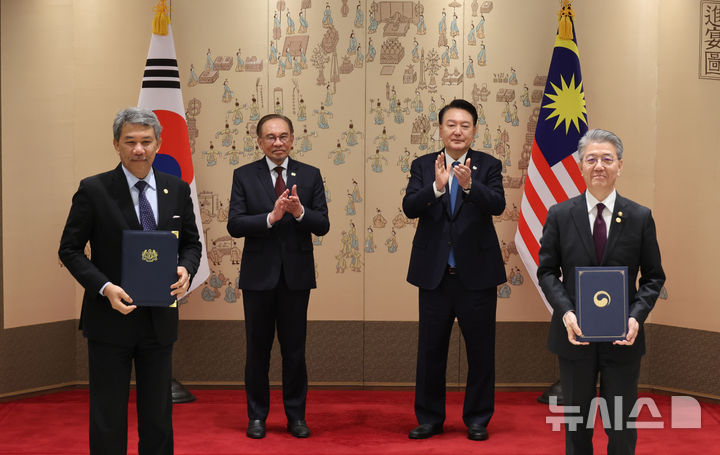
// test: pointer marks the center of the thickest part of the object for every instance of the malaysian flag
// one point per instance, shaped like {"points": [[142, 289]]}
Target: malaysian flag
{"points": [[553, 174], [161, 92]]}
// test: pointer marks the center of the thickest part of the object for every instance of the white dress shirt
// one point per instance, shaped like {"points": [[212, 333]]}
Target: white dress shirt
{"points": [[150, 195], [448, 165], [609, 204]]}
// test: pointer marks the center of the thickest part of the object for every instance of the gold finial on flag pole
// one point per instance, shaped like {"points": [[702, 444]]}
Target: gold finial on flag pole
{"points": [[565, 17], [162, 18]]}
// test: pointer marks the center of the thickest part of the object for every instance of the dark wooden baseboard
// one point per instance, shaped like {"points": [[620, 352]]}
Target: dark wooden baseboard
{"points": [[354, 354]]}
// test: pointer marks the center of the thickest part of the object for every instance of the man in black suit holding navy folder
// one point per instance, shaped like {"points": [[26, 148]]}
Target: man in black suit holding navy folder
{"points": [[121, 330], [599, 228]]}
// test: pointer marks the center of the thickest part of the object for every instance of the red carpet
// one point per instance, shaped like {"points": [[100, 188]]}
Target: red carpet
{"points": [[342, 422]]}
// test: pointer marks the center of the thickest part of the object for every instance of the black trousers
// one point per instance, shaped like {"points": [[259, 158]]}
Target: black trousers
{"points": [[475, 311], [110, 367], [618, 386], [285, 310]]}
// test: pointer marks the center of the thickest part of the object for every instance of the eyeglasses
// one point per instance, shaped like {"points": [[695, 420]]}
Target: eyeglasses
{"points": [[284, 138], [605, 160]]}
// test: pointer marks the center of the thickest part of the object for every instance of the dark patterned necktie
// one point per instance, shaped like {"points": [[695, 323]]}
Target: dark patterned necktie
{"points": [[279, 183], [147, 217], [600, 233]]}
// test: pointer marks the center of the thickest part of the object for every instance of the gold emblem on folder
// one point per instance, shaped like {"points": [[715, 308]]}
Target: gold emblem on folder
{"points": [[601, 299], [149, 255]]}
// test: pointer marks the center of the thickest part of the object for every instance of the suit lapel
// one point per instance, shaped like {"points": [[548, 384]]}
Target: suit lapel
{"points": [[445, 198], [616, 227], [161, 185], [265, 179], [120, 192], [582, 224], [292, 174]]}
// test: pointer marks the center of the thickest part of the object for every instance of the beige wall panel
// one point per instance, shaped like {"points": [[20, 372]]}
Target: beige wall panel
{"points": [[221, 28], [620, 75], [110, 46], [37, 144], [687, 173], [519, 35]]}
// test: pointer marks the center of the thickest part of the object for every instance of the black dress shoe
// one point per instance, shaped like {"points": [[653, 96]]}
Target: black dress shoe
{"points": [[256, 429], [425, 430], [477, 432], [298, 428]]}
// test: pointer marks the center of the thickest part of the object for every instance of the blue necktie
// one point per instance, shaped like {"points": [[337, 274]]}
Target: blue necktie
{"points": [[147, 217], [453, 195]]}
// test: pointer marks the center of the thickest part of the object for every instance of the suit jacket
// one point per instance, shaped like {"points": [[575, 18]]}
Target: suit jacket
{"points": [[101, 209], [287, 245], [469, 228], [567, 243]]}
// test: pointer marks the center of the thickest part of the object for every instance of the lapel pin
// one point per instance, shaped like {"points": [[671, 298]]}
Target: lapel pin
{"points": [[293, 174], [165, 190], [474, 168]]}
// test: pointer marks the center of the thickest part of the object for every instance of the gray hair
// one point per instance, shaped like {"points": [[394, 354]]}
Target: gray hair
{"points": [[136, 116], [598, 136]]}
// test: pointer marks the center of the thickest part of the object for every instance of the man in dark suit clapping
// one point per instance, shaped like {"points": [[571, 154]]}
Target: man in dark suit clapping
{"points": [[457, 265], [276, 204]]}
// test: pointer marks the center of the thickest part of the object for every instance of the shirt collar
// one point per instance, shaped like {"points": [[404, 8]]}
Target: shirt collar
{"points": [[272, 165], [132, 180], [609, 201], [449, 159]]}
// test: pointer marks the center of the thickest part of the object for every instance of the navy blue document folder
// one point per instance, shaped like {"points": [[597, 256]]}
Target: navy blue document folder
{"points": [[601, 302], [149, 266]]}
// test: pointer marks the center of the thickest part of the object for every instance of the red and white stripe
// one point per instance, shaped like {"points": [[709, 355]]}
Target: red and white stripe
{"points": [[545, 186]]}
